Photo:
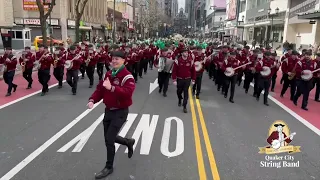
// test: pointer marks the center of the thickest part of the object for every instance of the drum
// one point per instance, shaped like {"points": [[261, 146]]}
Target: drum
{"points": [[3, 68], [36, 65], [266, 71], [68, 64], [198, 65], [306, 75], [229, 72]]}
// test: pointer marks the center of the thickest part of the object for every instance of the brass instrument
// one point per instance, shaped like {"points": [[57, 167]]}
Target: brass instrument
{"points": [[89, 57], [23, 64]]}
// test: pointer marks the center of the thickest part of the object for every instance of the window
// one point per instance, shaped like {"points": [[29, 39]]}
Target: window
{"points": [[27, 35]]}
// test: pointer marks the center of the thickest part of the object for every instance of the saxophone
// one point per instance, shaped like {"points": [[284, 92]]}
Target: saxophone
{"points": [[23, 63]]}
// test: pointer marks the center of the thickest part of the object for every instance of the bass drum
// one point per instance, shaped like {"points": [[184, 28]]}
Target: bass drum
{"points": [[68, 64]]}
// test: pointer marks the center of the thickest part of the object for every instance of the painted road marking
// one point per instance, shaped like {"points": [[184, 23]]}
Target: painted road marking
{"points": [[144, 131], [212, 160], [44, 146], [82, 138], [201, 169]]}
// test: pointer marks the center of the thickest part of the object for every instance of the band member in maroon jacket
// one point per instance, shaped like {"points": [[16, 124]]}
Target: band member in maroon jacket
{"points": [[58, 65], [83, 51], [183, 73], [27, 59], [275, 70], [317, 79], [233, 63], [265, 81], [10, 61], [116, 91], [287, 68], [91, 62], [200, 64], [72, 74], [286, 56], [101, 61], [303, 86], [44, 72], [143, 66]]}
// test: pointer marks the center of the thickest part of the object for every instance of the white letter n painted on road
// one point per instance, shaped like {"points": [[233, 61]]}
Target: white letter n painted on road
{"points": [[82, 138], [166, 137], [146, 130]]}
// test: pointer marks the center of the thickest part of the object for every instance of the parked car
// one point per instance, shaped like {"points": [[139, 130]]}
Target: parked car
{"points": [[39, 40]]}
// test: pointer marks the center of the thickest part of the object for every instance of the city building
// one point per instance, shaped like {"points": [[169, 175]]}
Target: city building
{"points": [[6, 22], [216, 15], [175, 8], [180, 24], [93, 21]]}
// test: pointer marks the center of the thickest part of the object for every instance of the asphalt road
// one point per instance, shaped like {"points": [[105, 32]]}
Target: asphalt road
{"points": [[55, 138]]}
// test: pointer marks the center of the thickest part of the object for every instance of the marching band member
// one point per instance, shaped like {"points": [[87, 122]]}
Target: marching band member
{"points": [[10, 63], [73, 71], [276, 69], [317, 79], [83, 51], [287, 68], [26, 61], [242, 56], [143, 66], [58, 65], [286, 56], [182, 74], [91, 61], [269, 64], [164, 71], [304, 86], [116, 91], [222, 56], [233, 63], [46, 60], [101, 61], [129, 59], [200, 64], [153, 52]]}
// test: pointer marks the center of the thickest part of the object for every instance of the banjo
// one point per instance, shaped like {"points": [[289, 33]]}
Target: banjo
{"points": [[306, 75], [69, 63], [276, 144], [198, 65], [230, 71], [266, 71]]}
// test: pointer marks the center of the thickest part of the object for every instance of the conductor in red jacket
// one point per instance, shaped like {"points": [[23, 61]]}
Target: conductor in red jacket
{"points": [[183, 73], [116, 91]]}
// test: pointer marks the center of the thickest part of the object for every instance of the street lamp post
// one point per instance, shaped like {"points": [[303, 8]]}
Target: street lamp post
{"points": [[214, 15], [272, 15], [49, 24]]}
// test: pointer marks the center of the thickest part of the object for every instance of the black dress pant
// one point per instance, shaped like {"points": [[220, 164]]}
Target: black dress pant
{"points": [[263, 84], [72, 79], [212, 71], [44, 77], [196, 88], [112, 123], [220, 79], [100, 70], [273, 81], [163, 81], [151, 62], [256, 77], [239, 77], [286, 84], [58, 73], [8, 79], [90, 74], [182, 87], [143, 66], [83, 69], [303, 88], [230, 81], [248, 79], [27, 75], [317, 85], [129, 68], [135, 71]]}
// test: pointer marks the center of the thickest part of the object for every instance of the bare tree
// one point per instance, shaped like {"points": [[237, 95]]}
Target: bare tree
{"points": [[43, 17], [79, 9]]}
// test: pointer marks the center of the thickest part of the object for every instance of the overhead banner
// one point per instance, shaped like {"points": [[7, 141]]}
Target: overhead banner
{"points": [[231, 9], [219, 3]]}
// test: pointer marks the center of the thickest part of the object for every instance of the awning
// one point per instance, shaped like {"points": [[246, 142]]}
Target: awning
{"points": [[309, 15], [85, 28]]}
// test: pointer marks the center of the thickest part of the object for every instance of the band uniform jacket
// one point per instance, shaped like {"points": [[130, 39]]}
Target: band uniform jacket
{"points": [[304, 64], [120, 94], [30, 60], [130, 58], [183, 69], [288, 64], [268, 63], [11, 64], [233, 63], [76, 62], [93, 58], [46, 62]]}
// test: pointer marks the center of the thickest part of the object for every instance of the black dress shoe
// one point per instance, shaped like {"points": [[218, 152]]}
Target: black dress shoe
{"points": [[179, 103], [74, 93], [43, 93], [231, 100], [59, 87], [8, 94], [197, 96], [104, 173], [160, 90], [267, 104], [90, 86], [305, 108], [15, 88], [29, 87], [318, 100], [295, 102], [185, 110], [130, 147], [164, 95]]}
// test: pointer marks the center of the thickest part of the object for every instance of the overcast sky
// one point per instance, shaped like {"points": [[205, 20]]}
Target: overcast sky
{"points": [[181, 3]]}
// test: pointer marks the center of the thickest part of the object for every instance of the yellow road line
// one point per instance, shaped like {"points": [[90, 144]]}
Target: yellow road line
{"points": [[212, 161], [201, 169]]}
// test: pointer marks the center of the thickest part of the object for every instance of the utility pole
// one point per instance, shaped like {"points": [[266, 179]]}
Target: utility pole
{"points": [[114, 22], [49, 23]]}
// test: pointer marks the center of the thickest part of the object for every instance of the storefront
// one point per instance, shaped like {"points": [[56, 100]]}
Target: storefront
{"points": [[85, 31], [34, 25]]}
